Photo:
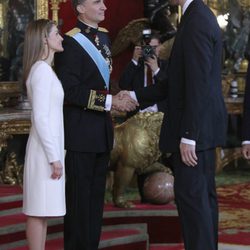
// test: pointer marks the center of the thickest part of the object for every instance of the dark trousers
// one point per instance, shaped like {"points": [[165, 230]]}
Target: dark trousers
{"points": [[85, 189], [196, 200]]}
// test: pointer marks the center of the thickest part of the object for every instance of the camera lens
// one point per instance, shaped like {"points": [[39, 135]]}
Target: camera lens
{"points": [[147, 51]]}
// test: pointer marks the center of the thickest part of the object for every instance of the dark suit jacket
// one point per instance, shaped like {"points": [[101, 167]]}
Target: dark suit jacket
{"points": [[86, 129], [195, 107], [133, 78], [246, 113]]}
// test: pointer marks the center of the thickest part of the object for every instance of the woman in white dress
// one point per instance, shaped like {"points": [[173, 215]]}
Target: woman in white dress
{"points": [[44, 182]]}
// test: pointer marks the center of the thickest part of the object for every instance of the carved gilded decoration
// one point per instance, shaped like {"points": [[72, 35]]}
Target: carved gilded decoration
{"points": [[3, 13], [55, 8], [9, 93], [12, 122], [13, 172], [225, 156], [135, 151], [245, 4], [42, 9]]}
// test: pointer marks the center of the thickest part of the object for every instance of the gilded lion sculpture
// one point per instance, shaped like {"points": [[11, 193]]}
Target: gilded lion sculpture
{"points": [[135, 150]]}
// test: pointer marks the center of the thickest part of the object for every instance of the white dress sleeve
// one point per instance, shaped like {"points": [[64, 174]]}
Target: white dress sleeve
{"points": [[41, 91]]}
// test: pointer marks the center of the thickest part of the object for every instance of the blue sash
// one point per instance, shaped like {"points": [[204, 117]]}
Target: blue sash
{"points": [[96, 56]]}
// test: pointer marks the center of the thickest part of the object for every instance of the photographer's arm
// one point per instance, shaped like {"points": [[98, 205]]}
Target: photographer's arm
{"points": [[147, 96], [127, 77], [137, 54]]}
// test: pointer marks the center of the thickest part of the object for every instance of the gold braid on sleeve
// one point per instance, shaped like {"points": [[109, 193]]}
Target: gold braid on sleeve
{"points": [[96, 101]]}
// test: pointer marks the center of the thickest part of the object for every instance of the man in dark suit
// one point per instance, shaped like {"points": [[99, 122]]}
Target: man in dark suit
{"points": [[84, 69], [246, 118], [141, 73], [195, 121]]}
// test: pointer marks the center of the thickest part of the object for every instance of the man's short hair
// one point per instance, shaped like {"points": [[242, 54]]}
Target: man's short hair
{"points": [[156, 35], [75, 3]]}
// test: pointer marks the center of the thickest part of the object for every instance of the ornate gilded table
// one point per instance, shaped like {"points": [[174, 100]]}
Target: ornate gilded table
{"points": [[224, 156], [13, 122]]}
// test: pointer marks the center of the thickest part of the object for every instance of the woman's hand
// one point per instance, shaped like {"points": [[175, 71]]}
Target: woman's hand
{"points": [[57, 170]]}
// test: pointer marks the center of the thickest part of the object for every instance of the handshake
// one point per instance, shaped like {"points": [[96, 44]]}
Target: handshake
{"points": [[123, 102]]}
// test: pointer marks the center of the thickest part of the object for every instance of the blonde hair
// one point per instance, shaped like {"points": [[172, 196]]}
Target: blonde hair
{"points": [[34, 43]]}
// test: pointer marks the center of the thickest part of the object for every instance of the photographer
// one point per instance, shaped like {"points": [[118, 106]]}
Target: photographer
{"points": [[145, 68]]}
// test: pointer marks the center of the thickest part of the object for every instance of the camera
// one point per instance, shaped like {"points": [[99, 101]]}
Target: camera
{"points": [[147, 50]]}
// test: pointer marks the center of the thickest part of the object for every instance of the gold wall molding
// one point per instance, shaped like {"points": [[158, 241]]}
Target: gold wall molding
{"points": [[55, 8], [3, 24], [42, 9]]}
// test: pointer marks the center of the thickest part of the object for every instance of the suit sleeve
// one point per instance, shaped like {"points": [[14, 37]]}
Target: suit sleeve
{"points": [[127, 77], [162, 74], [68, 68], [41, 87], [246, 112], [198, 61], [154, 93]]}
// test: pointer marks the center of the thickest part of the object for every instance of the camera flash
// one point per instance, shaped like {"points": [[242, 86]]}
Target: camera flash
{"points": [[146, 32]]}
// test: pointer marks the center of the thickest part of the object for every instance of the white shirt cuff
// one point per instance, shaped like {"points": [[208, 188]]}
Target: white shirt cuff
{"points": [[187, 141], [156, 72], [245, 142], [134, 62], [153, 108], [108, 103], [133, 95]]}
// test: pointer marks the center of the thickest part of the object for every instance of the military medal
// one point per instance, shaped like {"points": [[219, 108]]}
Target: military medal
{"points": [[97, 41], [87, 30]]}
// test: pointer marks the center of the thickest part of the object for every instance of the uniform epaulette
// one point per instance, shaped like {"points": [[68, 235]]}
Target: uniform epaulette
{"points": [[73, 32], [102, 29]]}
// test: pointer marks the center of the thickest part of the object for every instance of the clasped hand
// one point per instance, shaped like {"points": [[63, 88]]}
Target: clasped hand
{"points": [[124, 102], [246, 151]]}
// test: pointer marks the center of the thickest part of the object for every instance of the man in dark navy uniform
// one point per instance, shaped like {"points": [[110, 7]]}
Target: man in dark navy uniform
{"points": [[84, 69]]}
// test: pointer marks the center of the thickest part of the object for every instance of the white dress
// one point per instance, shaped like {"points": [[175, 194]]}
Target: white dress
{"points": [[43, 196]]}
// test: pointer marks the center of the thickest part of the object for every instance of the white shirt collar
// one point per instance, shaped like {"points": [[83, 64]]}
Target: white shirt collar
{"points": [[186, 4]]}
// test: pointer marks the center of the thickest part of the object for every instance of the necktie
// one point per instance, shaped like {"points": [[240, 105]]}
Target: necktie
{"points": [[149, 76]]}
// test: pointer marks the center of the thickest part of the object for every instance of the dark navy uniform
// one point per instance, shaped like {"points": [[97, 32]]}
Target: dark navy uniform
{"points": [[88, 137]]}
